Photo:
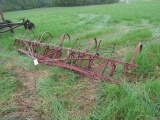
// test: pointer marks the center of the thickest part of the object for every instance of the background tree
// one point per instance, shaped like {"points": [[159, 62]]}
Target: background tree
{"points": [[9, 5]]}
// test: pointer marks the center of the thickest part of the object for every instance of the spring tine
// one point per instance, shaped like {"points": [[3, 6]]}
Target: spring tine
{"points": [[63, 38], [113, 67], [108, 61], [98, 47], [89, 44]]}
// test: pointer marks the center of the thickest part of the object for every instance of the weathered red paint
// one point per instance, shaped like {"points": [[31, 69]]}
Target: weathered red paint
{"points": [[81, 61]]}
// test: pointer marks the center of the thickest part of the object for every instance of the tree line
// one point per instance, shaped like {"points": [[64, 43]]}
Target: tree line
{"points": [[10, 5]]}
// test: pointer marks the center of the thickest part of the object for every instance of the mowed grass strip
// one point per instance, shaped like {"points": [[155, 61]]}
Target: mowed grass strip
{"points": [[133, 37]]}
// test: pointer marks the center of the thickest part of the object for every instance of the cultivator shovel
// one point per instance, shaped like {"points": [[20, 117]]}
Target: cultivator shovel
{"points": [[81, 61]]}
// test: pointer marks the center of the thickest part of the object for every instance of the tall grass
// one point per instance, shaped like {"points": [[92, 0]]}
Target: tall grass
{"points": [[8, 84], [127, 101], [54, 91], [148, 60]]}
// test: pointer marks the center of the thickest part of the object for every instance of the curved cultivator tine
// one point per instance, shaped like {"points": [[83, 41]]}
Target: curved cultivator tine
{"points": [[63, 37], [45, 36], [89, 44]]}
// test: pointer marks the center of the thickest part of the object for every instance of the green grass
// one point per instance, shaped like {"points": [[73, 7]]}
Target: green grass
{"points": [[69, 95], [134, 12], [148, 60], [54, 90], [133, 37], [127, 101], [8, 84]]}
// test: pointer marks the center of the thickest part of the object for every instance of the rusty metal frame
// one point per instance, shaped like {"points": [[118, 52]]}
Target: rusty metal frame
{"points": [[81, 61], [11, 26]]}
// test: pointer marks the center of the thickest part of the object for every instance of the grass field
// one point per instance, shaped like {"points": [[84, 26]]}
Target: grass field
{"points": [[43, 92]]}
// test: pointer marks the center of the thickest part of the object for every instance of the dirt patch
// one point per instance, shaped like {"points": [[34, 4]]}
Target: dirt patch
{"points": [[26, 99], [121, 53]]}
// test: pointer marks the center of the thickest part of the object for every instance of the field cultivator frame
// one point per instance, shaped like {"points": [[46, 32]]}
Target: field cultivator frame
{"points": [[8, 25], [81, 61]]}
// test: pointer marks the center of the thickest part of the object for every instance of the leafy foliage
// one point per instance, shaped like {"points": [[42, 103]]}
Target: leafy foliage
{"points": [[9, 5]]}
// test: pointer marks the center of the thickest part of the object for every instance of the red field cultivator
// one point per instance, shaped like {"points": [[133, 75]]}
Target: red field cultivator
{"points": [[81, 61]]}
